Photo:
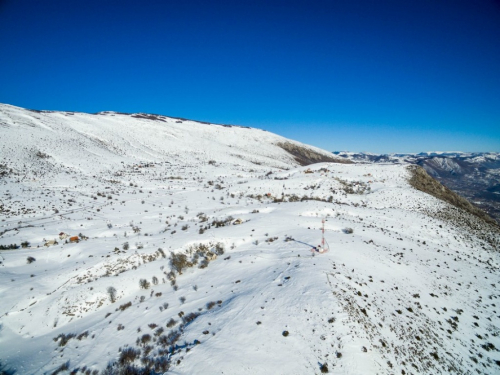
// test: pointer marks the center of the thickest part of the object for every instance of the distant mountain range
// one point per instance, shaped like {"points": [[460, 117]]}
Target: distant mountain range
{"points": [[474, 175]]}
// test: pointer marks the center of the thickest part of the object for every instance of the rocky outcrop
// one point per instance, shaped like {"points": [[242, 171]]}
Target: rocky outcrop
{"points": [[306, 156]]}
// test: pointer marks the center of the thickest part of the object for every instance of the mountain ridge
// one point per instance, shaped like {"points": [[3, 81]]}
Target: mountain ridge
{"points": [[474, 175]]}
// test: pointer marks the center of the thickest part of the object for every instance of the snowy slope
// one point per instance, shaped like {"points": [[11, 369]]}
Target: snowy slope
{"points": [[413, 288], [473, 175]]}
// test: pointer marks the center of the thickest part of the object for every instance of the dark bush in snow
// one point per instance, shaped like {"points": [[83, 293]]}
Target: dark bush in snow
{"points": [[144, 284], [125, 306], [112, 294], [128, 355], [179, 262]]}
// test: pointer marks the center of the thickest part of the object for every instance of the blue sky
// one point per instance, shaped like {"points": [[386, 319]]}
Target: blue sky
{"points": [[377, 76]]}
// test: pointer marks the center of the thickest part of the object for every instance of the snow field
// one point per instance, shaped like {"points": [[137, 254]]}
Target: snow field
{"points": [[405, 291]]}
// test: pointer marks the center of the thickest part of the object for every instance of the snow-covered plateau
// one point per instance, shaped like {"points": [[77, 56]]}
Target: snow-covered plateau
{"points": [[143, 244]]}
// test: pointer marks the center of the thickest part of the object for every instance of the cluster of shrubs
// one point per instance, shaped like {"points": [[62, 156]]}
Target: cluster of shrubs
{"points": [[223, 222], [9, 247], [354, 187], [200, 254], [64, 338], [144, 284], [154, 353]]}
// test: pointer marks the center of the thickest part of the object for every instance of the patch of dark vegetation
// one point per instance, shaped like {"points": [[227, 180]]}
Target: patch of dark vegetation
{"points": [[151, 355], [179, 262], [306, 156], [63, 367], [64, 338], [128, 355], [422, 181], [42, 155], [144, 284], [148, 117], [4, 370], [82, 335], [222, 222], [189, 318], [158, 366], [125, 306], [9, 247], [489, 347], [171, 323]]}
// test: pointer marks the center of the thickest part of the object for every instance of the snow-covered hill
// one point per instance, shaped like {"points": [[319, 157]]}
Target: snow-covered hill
{"points": [[193, 255]]}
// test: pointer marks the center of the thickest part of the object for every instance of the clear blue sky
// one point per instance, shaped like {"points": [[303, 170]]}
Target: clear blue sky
{"points": [[378, 76]]}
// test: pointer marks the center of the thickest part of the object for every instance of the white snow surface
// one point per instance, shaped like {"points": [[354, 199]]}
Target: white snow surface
{"points": [[407, 291]]}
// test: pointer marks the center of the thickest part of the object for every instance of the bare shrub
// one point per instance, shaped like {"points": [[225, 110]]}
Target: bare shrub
{"points": [[144, 284], [219, 248], [145, 339], [128, 355], [222, 223], [63, 367], [179, 262], [190, 317], [63, 339], [112, 294], [171, 323], [125, 306], [169, 339], [159, 331], [82, 335]]}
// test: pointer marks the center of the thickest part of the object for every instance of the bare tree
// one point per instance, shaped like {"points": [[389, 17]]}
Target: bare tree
{"points": [[112, 294]]}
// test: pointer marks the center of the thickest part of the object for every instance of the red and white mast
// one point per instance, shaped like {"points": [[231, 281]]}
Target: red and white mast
{"points": [[323, 234]]}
